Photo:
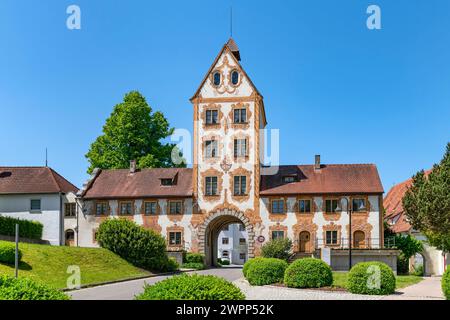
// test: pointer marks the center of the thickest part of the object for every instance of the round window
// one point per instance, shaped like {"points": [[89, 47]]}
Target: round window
{"points": [[216, 78], [234, 77]]}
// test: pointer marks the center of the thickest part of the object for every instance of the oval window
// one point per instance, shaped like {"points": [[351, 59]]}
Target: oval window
{"points": [[216, 78], [234, 77]]}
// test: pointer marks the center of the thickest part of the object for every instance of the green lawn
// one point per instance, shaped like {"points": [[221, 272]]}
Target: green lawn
{"points": [[340, 280], [49, 265]]}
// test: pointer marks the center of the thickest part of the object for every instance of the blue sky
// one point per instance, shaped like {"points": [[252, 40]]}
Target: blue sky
{"points": [[330, 85]]}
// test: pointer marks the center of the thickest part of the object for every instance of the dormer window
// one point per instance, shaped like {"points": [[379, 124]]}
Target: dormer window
{"points": [[289, 179], [217, 78], [234, 77], [166, 182]]}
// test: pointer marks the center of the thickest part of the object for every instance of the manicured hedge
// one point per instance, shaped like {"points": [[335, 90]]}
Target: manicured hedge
{"points": [[308, 273], [27, 289], [27, 229], [192, 287], [446, 283], [194, 258], [249, 263], [142, 247], [8, 252], [266, 271], [375, 278], [193, 265]]}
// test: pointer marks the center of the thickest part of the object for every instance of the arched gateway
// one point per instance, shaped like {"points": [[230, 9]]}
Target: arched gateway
{"points": [[211, 227]]}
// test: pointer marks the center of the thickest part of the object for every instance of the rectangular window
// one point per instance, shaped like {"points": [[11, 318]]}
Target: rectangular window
{"points": [[277, 235], [304, 206], [126, 208], [69, 210], [278, 206], [174, 238], [240, 148], [211, 186], [150, 207], [242, 241], [211, 149], [240, 185], [212, 116], [225, 240], [241, 227], [359, 205], [175, 207], [332, 237], [35, 205], [240, 115], [242, 256], [331, 205], [101, 208]]}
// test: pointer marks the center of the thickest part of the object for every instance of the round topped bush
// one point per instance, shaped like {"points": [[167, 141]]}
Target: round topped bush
{"points": [[446, 283], [192, 287], [264, 271], [374, 277], [27, 289], [308, 273], [8, 253], [248, 264]]}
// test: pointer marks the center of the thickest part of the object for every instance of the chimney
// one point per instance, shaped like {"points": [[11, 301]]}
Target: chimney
{"points": [[132, 166], [317, 162]]}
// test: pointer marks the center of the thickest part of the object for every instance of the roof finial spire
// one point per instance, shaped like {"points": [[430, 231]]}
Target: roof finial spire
{"points": [[46, 158]]}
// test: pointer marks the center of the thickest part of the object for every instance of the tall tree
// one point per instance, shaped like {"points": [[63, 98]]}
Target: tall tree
{"points": [[134, 132], [427, 203]]}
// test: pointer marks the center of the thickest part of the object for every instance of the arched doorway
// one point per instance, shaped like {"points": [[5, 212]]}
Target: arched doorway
{"points": [[214, 224], [70, 238], [305, 241], [359, 239]]}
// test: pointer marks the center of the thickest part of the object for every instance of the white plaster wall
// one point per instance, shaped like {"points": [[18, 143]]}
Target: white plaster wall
{"points": [[233, 247], [164, 221], [18, 206], [69, 222]]}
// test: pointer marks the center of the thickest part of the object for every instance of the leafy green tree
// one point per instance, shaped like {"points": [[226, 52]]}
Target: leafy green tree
{"points": [[134, 132], [427, 203]]}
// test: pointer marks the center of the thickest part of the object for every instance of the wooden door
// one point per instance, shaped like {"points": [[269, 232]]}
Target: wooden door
{"points": [[359, 239], [305, 241]]}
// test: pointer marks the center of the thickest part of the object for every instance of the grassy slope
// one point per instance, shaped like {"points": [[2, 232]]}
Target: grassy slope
{"points": [[340, 280], [49, 264]]}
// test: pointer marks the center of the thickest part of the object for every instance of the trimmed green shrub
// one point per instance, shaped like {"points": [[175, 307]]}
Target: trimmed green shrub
{"points": [[446, 283], [170, 265], [225, 262], [308, 273], [266, 271], [27, 229], [142, 247], [194, 258], [192, 287], [278, 248], [193, 265], [248, 264], [402, 264], [375, 278], [8, 252], [27, 289]]}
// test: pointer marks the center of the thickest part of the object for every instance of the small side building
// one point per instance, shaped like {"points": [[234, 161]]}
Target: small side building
{"points": [[38, 194]]}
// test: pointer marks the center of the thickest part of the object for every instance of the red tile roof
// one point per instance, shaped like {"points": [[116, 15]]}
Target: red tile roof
{"points": [[120, 183], [393, 206], [329, 179], [20, 180]]}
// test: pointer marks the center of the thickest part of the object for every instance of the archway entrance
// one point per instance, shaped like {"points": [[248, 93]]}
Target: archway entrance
{"points": [[359, 239], [209, 236], [70, 238], [305, 241]]}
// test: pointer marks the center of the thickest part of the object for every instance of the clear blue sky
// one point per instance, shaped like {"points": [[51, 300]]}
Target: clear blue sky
{"points": [[330, 85]]}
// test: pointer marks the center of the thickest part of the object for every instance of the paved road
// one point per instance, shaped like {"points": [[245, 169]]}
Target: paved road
{"points": [[127, 290], [427, 289]]}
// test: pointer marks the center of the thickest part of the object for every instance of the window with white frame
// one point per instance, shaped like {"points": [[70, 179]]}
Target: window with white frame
{"points": [[211, 149], [240, 148]]}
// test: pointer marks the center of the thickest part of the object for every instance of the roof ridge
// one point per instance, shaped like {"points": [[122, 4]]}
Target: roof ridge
{"points": [[60, 176]]}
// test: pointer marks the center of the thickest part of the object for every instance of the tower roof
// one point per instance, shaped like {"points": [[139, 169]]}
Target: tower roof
{"points": [[234, 48]]}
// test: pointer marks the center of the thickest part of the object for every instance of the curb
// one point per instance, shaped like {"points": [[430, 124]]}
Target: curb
{"points": [[97, 284]]}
